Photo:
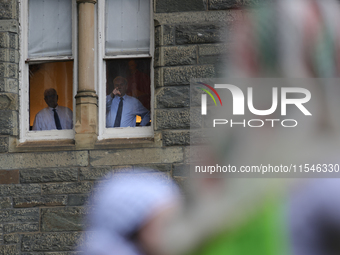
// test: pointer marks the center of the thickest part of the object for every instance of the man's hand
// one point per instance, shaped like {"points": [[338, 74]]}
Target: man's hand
{"points": [[115, 92]]}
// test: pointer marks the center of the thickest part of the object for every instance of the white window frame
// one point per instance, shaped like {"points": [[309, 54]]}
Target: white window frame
{"points": [[24, 133], [117, 132]]}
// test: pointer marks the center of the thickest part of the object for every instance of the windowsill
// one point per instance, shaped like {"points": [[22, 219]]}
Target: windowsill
{"points": [[47, 145], [69, 144]]}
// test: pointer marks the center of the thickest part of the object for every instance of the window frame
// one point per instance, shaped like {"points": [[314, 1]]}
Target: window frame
{"points": [[26, 135], [126, 132]]}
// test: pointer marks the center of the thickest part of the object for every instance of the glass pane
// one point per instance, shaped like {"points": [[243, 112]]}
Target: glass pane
{"points": [[51, 88], [127, 26], [50, 28], [130, 77]]}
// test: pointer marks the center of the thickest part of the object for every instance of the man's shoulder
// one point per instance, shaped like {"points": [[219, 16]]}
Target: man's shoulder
{"points": [[43, 111], [64, 109], [131, 99]]}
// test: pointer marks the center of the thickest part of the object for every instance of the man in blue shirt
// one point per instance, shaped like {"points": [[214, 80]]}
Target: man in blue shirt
{"points": [[121, 109]]}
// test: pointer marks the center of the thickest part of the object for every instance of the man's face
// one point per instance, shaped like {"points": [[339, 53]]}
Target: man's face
{"points": [[51, 98], [121, 86]]}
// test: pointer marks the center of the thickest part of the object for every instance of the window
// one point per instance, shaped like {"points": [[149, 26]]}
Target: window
{"points": [[125, 62], [48, 67]]}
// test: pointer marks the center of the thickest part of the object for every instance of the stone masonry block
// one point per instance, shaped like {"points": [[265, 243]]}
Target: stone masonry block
{"points": [[11, 238], [5, 202], [182, 75], [21, 227], [8, 85], [9, 177], [8, 9], [173, 97], [181, 170], [136, 156], [172, 119], [8, 101], [9, 250], [8, 123], [95, 173], [19, 215], [19, 189], [176, 55], [199, 33], [180, 6], [49, 175], [66, 188], [4, 40], [62, 219], [77, 199], [158, 167], [181, 137], [43, 159], [13, 41], [9, 70], [229, 4], [39, 201], [50, 242]]}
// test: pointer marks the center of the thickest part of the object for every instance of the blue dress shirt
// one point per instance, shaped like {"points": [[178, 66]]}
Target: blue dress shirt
{"points": [[131, 108]]}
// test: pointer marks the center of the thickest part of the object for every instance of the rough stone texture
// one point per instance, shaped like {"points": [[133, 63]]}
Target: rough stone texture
{"points": [[194, 33], [4, 143], [136, 156], [5, 202], [20, 189], [91, 174], [181, 170], [8, 9], [66, 188], [62, 219], [21, 215], [212, 54], [8, 85], [228, 4], [9, 55], [21, 227], [49, 175], [55, 253], [8, 101], [176, 55], [39, 201], [11, 239], [180, 5], [164, 35], [9, 26], [173, 97], [8, 123], [158, 167], [77, 199], [47, 159], [177, 119], [182, 75], [9, 70], [171, 138], [9, 250], [9, 177], [223, 17], [50, 242]]}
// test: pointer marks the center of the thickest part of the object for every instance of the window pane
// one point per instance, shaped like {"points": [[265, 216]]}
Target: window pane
{"points": [[127, 26], [136, 74], [43, 78], [50, 28]]}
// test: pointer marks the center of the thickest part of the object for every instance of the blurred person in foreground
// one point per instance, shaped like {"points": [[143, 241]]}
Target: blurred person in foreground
{"points": [[285, 39], [128, 212]]}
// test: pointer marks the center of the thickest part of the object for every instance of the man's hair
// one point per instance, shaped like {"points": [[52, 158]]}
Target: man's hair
{"points": [[50, 89], [120, 78]]}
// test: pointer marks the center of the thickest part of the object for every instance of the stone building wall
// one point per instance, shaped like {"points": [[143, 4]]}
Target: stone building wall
{"points": [[43, 186]]}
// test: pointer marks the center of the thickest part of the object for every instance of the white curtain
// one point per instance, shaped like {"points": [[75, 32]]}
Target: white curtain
{"points": [[49, 28], [127, 26]]}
